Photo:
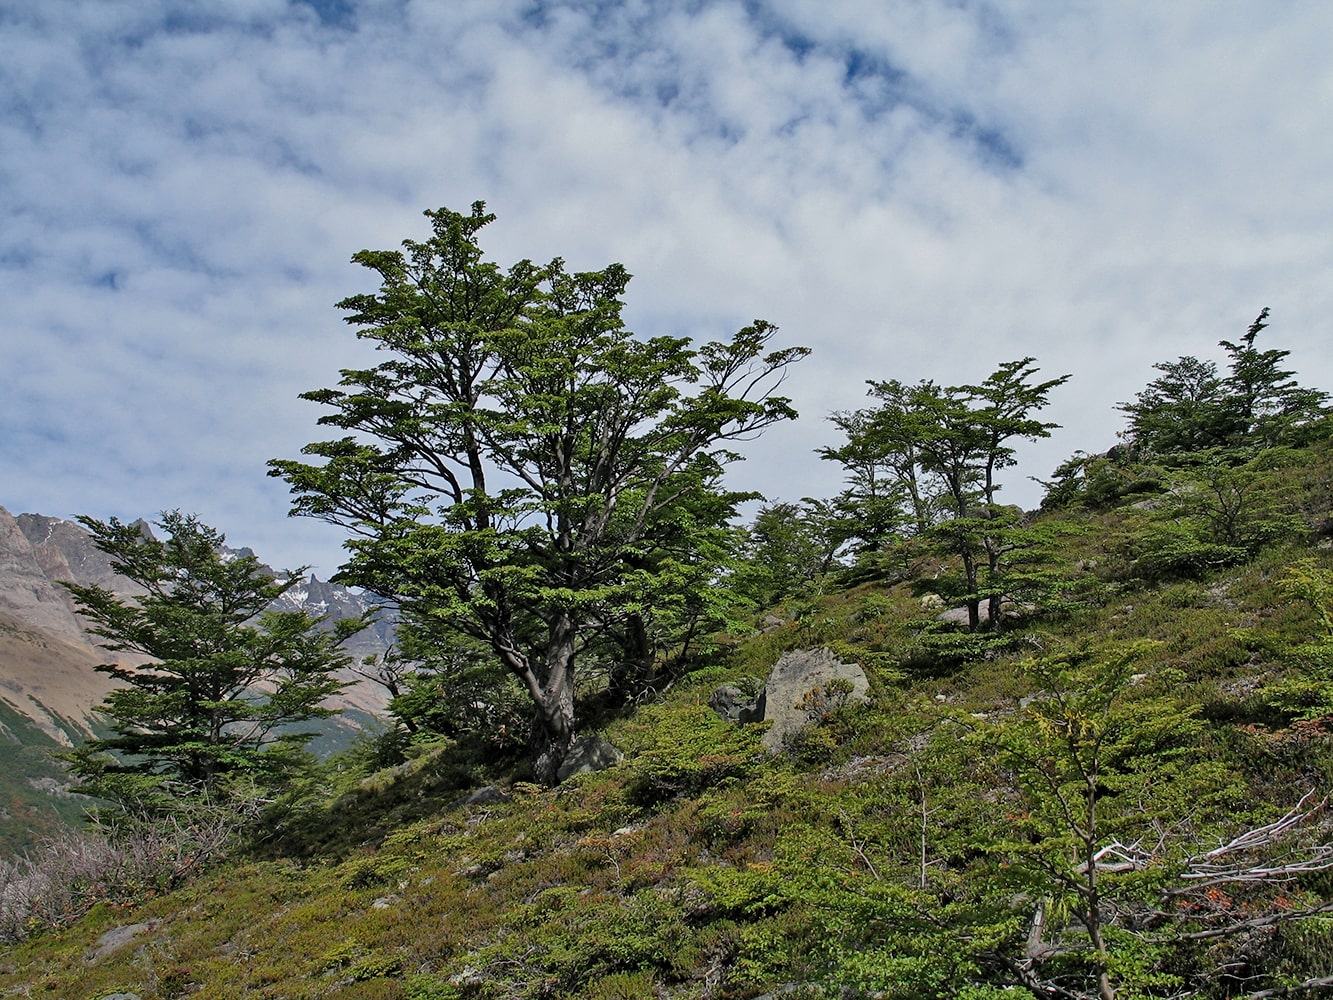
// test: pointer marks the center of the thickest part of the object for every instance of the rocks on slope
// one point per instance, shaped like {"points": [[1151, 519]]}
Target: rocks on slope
{"points": [[802, 686]]}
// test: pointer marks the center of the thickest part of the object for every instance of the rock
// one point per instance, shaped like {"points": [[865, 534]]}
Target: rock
{"points": [[1008, 609], [118, 937], [487, 795], [734, 705], [26, 593], [589, 753], [798, 692], [953, 616]]}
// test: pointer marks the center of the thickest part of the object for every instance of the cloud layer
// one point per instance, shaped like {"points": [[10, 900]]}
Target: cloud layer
{"points": [[912, 189]]}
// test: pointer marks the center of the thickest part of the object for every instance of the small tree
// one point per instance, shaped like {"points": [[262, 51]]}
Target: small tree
{"points": [[227, 679], [1184, 409], [1190, 407], [1270, 405], [1128, 847], [976, 425], [888, 492], [787, 548], [936, 452]]}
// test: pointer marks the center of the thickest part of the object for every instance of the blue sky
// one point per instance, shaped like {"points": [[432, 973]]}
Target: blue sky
{"points": [[913, 189]]}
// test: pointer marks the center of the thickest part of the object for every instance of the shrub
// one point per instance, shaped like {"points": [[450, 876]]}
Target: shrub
{"points": [[67, 875]]}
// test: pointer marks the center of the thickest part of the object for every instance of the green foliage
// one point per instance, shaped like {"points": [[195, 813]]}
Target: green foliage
{"points": [[1191, 408], [693, 750], [1171, 551], [445, 684], [1214, 514], [1100, 482], [1117, 795], [1306, 695], [1185, 409], [788, 548], [935, 452], [228, 677], [525, 472]]}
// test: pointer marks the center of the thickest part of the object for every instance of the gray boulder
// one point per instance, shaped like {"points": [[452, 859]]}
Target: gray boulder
{"points": [[803, 686], [589, 753], [734, 704], [118, 937], [487, 795]]}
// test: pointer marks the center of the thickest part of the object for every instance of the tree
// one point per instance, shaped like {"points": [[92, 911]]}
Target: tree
{"points": [[228, 676], [888, 493], [1130, 844], [1190, 407], [937, 451], [1184, 409], [787, 547], [971, 444], [1270, 406], [521, 460]]}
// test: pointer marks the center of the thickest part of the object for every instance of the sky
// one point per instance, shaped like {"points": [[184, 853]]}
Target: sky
{"points": [[911, 189]]}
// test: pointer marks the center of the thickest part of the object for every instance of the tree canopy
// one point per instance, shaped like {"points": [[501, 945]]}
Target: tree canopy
{"points": [[1192, 407], [925, 462], [521, 459]]}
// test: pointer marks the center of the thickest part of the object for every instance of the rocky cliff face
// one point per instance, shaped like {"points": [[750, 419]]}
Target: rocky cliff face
{"points": [[27, 593], [46, 661]]}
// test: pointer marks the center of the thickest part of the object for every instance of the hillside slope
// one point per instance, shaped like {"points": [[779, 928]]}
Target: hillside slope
{"points": [[1120, 795]]}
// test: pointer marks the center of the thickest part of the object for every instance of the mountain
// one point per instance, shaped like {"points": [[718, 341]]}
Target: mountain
{"points": [[49, 687], [46, 659]]}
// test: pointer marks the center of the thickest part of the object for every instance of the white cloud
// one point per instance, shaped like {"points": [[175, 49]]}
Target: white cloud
{"points": [[913, 189]]}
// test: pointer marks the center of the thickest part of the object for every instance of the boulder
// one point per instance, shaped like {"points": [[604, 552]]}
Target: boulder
{"points": [[954, 616], [487, 795], [589, 753], [735, 705], [799, 691], [118, 937], [802, 688], [1009, 609]]}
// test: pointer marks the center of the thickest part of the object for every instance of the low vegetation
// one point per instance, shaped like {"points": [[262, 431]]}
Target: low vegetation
{"points": [[1126, 799]]}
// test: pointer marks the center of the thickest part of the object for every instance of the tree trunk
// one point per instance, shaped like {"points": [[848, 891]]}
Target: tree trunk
{"points": [[973, 601], [549, 744], [553, 720], [631, 676]]}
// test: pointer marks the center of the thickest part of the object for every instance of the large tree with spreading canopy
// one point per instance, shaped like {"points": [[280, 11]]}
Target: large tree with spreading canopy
{"points": [[521, 469]]}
